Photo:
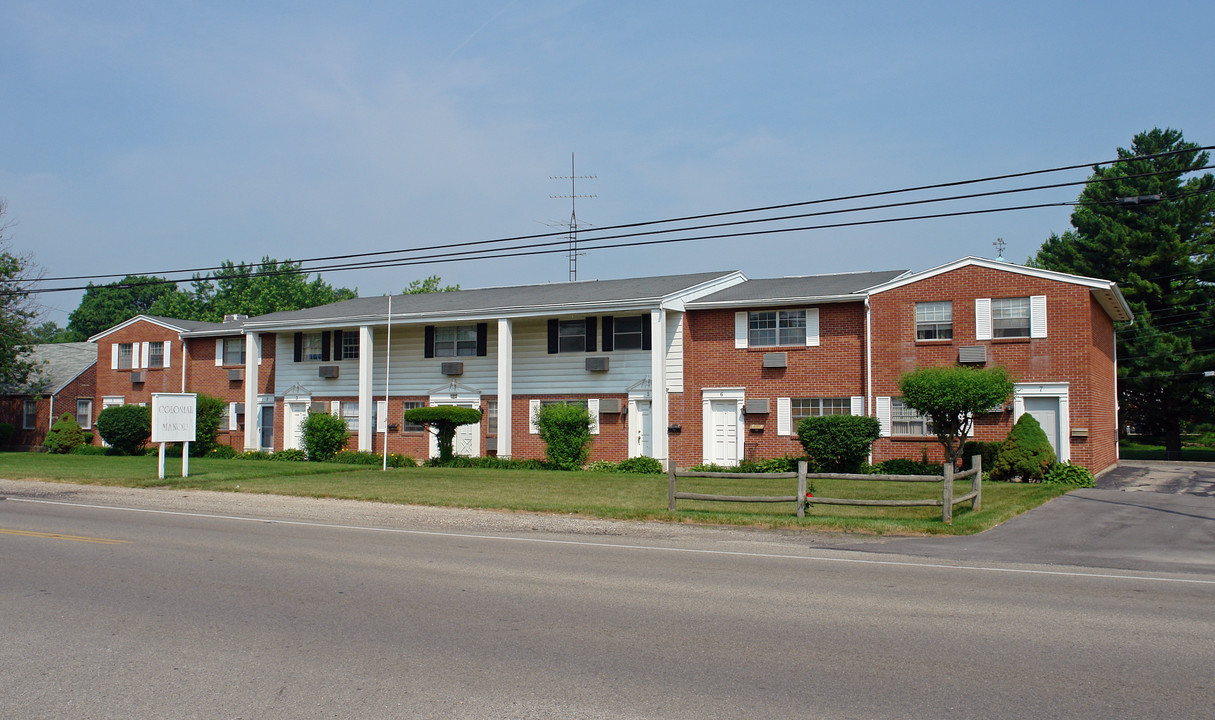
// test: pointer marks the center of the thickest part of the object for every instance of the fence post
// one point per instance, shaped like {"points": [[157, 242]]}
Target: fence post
{"points": [[976, 483], [947, 495], [670, 485], [801, 488]]}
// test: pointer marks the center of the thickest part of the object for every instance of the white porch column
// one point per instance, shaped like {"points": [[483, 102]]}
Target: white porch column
{"points": [[506, 344], [253, 418], [366, 405], [658, 384]]}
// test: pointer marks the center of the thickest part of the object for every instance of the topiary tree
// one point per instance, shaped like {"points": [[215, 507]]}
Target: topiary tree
{"points": [[207, 414], [324, 435], [838, 443], [442, 420], [65, 434], [1026, 452], [951, 396], [566, 432], [125, 427]]}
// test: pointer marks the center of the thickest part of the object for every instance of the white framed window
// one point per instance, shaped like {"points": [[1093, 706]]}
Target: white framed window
{"points": [[350, 413], [906, 421], [817, 407], [456, 341], [350, 346], [407, 426], [312, 346], [125, 356], [1010, 317], [491, 417], [627, 332], [571, 336], [84, 413], [234, 351], [156, 355], [770, 328], [934, 320], [29, 418]]}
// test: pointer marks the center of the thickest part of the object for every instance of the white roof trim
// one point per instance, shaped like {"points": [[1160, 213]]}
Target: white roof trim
{"points": [[135, 319]]}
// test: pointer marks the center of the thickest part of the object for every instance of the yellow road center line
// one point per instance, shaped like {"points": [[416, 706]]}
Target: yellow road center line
{"points": [[58, 536]]}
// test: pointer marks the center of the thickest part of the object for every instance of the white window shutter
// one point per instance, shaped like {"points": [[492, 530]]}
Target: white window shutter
{"points": [[740, 330], [335, 407], [219, 351], [533, 409], [142, 354], [883, 415], [167, 352], [381, 414], [784, 416], [858, 405], [592, 409], [982, 318], [232, 422], [114, 356], [811, 327], [1037, 316]]}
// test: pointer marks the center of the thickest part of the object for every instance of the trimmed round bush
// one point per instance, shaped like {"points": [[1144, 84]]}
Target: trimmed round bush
{"points": [[324, 436], [1026, 452], [837, 443], [65, 434], [125, 427]]}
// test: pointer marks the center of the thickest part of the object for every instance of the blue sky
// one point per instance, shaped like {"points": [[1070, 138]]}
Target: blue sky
{"points": [[146, 136]]}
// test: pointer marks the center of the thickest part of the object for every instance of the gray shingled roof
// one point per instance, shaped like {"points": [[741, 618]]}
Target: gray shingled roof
{"points": [[490, 301], [786, 289], [61, 363], [187, 325]]}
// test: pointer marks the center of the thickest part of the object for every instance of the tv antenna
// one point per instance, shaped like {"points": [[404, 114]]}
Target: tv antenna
{"points": [[573, 224], [1000, 245]]}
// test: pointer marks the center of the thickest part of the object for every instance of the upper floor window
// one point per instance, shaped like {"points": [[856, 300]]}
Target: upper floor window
{"points": [[125, 356], [313, 346], [571, 336], [234, 351], [156, 355], [776, 327], [350, 346], [817, 407], [905, 420], [456, 341], [1010, 317], [627, 332], [934, 320]]}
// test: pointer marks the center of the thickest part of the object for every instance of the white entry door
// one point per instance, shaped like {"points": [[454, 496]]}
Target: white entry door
{"points": [[724, 429], [643, 435], [293, 425], [1046, 411], [468, 437]]}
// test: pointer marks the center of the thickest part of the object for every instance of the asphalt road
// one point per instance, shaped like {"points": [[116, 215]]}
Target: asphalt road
{"points": [[128, 606]]}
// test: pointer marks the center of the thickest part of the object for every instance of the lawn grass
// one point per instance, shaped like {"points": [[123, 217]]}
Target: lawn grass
{"points": [[599, 495]]}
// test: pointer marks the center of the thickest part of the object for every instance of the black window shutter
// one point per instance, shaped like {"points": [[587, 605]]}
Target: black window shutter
{"points": [[646, 341], [552, 337], [429, 334], [299, 346], [608, 325], [337, 345], [325, 339], [482, 339], [592, 329]]}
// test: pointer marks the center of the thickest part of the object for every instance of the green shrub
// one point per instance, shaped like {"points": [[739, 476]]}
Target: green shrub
{"points": [[489, 463], [1026, 452], [254, 455], [837, 443], [324, 435], [292, 455], [88, 450], [6, 432], [714, 467], [362, 457], [566, 432], [605, 466], [443, 421], [125, 427], [65, 434], [208, 410], [903, 466], [222, 452], [785, 464], [987, 450], [1065, 473], [640, 465]]}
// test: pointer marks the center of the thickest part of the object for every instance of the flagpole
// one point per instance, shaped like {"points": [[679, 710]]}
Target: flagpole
{"points": [[387, 365]]}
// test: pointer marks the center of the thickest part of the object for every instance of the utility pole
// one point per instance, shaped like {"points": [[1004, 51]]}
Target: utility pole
{"points": [[573, 226]]}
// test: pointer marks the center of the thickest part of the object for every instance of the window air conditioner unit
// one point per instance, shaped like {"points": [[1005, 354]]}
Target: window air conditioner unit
{"points": [[236, 375], [329, 371], [137, 377], [776, 360], [756, 406], [452, 368], [596, 364], [610, 406], [972, 354]]}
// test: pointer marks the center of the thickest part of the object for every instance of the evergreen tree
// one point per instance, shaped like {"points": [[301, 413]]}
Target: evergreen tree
{"points": [[1161, 255]]}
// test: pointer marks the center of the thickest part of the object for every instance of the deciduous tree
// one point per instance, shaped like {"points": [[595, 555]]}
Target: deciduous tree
{"points": [[951, 396]]}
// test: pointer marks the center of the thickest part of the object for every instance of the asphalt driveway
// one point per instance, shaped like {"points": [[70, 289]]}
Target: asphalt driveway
{"points": [[1143, 516]]}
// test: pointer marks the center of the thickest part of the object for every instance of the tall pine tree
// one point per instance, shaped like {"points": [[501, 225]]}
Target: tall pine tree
{"points": [[1162, 255]]}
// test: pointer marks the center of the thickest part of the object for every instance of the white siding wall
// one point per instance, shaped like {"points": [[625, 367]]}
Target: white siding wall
{"points": [[307, 372], [537, 372], [413, 374], [675, 352]]}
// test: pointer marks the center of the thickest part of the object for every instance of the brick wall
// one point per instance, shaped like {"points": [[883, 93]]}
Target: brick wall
{"points": [[12, 410]]}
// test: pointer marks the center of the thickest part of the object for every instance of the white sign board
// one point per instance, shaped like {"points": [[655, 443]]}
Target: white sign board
{"points": [[173, 417]]}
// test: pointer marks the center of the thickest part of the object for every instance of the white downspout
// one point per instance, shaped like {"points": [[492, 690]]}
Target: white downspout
{"points": [[183, 363]]}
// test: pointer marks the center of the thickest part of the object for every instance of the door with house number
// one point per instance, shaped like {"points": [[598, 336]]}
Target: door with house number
{"points": [[724, 415], [645, 431], [293, 427]]}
